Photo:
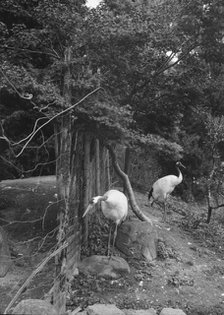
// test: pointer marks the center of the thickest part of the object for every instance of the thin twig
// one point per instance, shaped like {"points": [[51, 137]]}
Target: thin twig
{"points": [[12, 143], [31, 51], [13, 86], [23, 222], [34, 128], [45, 212]]}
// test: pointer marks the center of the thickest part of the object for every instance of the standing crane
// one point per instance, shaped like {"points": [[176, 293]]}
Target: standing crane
{"points": [[114, 205], [164, 186]]}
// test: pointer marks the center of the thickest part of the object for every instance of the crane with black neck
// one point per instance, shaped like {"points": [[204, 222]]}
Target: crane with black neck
{"points": [[164, 186]]}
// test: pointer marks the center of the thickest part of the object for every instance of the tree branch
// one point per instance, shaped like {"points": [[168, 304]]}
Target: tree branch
{"points": [[31, 136], [55, 55], [128, 187], [28, 97], [165, 66]]}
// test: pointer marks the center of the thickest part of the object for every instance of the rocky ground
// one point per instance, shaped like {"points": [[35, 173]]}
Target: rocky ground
{"points": [[188, 273]]}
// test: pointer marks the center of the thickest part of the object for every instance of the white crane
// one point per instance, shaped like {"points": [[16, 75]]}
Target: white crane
{"points": [[114, 205], [164, 186]]}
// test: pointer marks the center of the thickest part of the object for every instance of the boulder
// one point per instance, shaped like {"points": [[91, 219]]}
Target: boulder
{"points": [[104, 309], [5, 257], [103, 266], [172, 311], [136, 238], [34, 307]]}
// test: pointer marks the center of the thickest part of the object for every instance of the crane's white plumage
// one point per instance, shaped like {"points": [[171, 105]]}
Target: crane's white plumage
{"points": [[114, 205], [164, 186]]}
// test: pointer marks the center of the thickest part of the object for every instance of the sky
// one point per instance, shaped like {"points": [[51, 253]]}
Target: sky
{"points": [[92, 3]]}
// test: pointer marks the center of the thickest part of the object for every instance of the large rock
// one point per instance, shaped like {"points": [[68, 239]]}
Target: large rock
{"points": [[103, 266], [104, 309], [136, 238], [172, 311], [34, 307], [5, 258]]}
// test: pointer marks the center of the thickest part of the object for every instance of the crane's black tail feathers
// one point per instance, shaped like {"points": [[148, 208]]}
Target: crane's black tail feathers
{"points": [[150, 194]]}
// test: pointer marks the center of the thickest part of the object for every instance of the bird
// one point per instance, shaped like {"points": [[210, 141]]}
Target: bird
{"points": [[114, 205], [164, 186]]}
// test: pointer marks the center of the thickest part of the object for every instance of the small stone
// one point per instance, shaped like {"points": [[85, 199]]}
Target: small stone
{"points": [[172, 311], [34, 307], [149, 311], [104, 309], [103, 266]]}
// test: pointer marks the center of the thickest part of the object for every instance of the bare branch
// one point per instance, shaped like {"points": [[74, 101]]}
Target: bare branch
{"points": [[40, 164], [41, 244], [34, 129], [55, 55], [165, 66], [218, 206], [28, 97], [46, 107], [21, 222], [27, 241], [30, 170], [47, 208], [140, 215], [38, 147], [10, 163], [31, 136]]}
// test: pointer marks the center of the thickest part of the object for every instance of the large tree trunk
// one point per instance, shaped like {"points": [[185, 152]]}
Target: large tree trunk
{"points": [[70, 191], [128, 187], [69, 173], [97, 153], [87, 181], [108, 177], [105, 169]]}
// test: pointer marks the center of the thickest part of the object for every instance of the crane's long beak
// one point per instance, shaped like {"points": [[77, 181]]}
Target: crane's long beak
{"points": [[90, 206], [182, 165]]}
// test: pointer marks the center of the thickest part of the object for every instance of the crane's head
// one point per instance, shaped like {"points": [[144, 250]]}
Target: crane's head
{"points": [[179, 164], [92, 202]]}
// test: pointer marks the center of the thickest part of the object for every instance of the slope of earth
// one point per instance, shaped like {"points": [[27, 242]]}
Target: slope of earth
{"points": [[28, 214], [188, 274]]}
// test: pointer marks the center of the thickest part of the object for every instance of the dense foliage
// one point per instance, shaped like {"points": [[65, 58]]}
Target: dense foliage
{"points": [[159, 66]]}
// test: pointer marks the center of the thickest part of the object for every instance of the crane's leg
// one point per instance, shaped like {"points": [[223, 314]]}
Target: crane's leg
{"points": [[115, 235], [164, 212], [108, 246]]}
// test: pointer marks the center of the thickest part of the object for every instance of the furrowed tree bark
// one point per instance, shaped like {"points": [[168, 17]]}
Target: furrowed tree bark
{"points": [[87, 169], [69, 146], [126, 181], [97, 152], [107, 166], [106, 169]]}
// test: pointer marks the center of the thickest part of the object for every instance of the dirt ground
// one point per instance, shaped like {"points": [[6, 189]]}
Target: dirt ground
{"points": [[188, 274]]}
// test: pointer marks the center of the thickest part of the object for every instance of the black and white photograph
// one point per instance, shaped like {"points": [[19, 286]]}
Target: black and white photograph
{"points": [[112, 157]]}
